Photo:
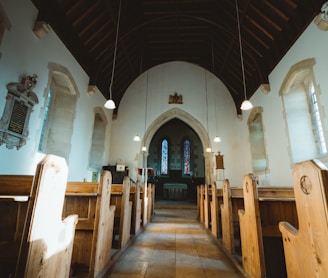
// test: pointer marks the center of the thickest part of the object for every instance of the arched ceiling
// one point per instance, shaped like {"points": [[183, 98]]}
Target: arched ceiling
{"points": [[202, 32]]}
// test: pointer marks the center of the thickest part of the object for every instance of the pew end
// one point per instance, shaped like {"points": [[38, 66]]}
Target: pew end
{"points": [[122, 223], [306, 250], [250, 230], [227, 219], [93, 240], [47, 241]]}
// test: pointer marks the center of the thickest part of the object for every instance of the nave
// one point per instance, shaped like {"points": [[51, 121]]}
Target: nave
{"points": [[174, 244]]}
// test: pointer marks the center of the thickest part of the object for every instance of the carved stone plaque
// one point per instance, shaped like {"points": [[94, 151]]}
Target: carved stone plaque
{"points": [[19, 103], [18, 116]]}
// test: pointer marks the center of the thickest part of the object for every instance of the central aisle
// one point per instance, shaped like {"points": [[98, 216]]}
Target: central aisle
{"points": [[174, 245]]}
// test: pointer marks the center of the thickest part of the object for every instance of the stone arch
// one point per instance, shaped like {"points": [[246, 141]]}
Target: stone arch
{"points": [[183, 116]]}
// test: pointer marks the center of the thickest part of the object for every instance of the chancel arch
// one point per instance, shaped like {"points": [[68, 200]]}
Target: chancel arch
{"points": [[177, 128], [183, 116]]}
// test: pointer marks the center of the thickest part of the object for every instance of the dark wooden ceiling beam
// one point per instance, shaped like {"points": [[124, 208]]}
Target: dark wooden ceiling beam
{"points": [[166, 30]]}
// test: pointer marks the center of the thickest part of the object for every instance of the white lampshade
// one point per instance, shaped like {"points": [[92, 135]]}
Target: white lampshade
{"points": [[144, 149], [217, 139], [208, 150], [246, 105], [136, 138], [110, 104]]}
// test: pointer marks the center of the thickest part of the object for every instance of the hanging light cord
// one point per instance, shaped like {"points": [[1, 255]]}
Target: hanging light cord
{"points": [[146, 105], [207, 111], [241, 50], [216, 120], [114, 60]]}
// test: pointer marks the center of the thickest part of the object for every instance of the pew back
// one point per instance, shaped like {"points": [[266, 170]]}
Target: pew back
{"points": [[121, 199], [227, 218], [47, 241], [94, 232], [136, 208], [306, 250], [251, 242], [14, 197]]}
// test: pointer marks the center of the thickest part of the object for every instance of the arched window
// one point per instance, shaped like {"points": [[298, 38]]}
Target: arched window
{"points": [[98, 140], [165, 157], [186, 157], [59, 113], [300, 96], [256, 136]]}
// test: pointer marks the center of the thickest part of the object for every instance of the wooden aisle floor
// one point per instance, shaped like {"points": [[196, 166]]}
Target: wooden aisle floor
{"points": [[174, 245]]}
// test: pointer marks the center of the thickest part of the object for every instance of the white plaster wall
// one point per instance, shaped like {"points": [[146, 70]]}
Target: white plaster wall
{"points": [[312, 44], [189, 81], [23, 53]]}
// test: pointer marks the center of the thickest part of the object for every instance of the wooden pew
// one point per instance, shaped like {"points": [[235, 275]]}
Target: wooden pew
{"points": [[209, 211], [148, 202], [94, 231], [122, 222], [45, 241], [207, 217], [144, 204], [306, 249], [15, 192], [215, 216], [227, 218], [151, 201], [200, 201], [261, 243], [136, 208], [251, 232]]}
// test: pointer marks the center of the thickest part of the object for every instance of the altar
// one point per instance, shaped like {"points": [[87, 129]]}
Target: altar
{"points": [[175, 191]]}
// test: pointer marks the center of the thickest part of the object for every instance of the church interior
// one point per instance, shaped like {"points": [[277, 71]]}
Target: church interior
{"points": [[170, 126]]}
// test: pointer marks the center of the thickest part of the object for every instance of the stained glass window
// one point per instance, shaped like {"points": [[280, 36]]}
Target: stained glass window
{"points": [[186, 157], [165, 157]]}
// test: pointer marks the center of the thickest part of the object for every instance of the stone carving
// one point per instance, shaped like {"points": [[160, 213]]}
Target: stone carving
{"points": [[14, 122], [175, 99]]}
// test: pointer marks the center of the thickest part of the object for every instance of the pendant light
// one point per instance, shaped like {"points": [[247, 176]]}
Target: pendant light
{"points": [[110, 104], [136, 138], [246, 104]]}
